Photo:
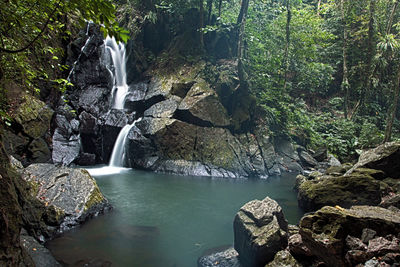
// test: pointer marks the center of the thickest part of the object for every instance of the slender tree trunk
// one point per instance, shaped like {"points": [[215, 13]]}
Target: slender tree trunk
{"points": [[393, 111], [240, 53], [287, 43], [209, 11], [219, 8], [345, 80], [318, 7], [371, 52], [201, 23], [390, 21]]}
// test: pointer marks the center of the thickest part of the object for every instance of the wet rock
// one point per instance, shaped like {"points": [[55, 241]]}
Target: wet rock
{"points": [[86, 159], [260, 231], [392, 200], [345, 191], [284, 259], [40, 255], [385, 157], [333, 161], [15, 144], [226, 258], [73, 193], [88, 123], [324, 232], [65, 150]]}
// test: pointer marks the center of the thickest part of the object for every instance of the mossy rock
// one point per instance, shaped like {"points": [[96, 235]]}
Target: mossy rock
{"points": [[346, 191], [34, 116]]}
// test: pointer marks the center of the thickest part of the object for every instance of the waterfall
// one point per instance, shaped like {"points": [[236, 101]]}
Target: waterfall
{"points": [[118, 154], [120, 88], [89, 38]]}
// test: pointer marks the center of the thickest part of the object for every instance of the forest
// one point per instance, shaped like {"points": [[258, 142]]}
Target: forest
{"points": [[325, 72], [148, 125]]}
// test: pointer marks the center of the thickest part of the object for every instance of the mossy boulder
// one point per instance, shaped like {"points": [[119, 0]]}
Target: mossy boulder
{"points": [[325, 231], [72, 193], [385, 157], [260, 231], [345, 191], [34, 117]]}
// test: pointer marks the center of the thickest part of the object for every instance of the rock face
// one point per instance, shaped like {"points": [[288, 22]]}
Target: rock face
{"points": [[385, 157], [260, 231], [226, 258], [28, 137], [347, 237], [73, 193], [187, 122], [356, 189]]}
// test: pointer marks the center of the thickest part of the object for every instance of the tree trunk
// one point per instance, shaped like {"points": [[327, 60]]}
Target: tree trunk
{"points": [[240, 53], [393, 111], [287, 43], [209, 11], [390, 21], [318, 7], [371, 52], [219, 8], [201, 23], [345, 80]]}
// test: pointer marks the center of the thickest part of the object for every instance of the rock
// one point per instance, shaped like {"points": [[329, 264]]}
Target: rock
{"points": [[34, 117], [353, 243], [380, 246], [86, 159], [88, 124], [345, 191], [354, 257], [391, 200], [226, 258], [367, 235], [307, 160], [385, 157], [260, 231], [321, 154], [297, 247], [324, 232], [333, 161], [39, 150], [72, 192], [201, 106], [164, 109], [65, 151], [16, 144], [40, 255], [300, 179], [284, 259]]}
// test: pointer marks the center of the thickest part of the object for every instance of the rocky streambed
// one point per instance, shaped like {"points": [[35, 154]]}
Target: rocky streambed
{"points": [[353, 219]]}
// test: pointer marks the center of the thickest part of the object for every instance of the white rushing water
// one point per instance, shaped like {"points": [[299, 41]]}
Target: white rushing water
{"points": [[118, 55], [118, 153]]}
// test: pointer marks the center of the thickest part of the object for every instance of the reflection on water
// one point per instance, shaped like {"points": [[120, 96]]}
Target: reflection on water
{"points": [[166, 220]]}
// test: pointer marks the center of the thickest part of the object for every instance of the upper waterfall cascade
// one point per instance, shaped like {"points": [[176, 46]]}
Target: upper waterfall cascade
{"points": [[118, 55]]}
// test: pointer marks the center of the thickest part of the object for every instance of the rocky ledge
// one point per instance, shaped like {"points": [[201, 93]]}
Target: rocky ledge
{"points": [[70, 195], [373, 180], [332, 236]]}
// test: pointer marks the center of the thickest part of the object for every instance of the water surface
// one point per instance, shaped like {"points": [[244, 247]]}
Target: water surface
{"points": [[167, 220]]}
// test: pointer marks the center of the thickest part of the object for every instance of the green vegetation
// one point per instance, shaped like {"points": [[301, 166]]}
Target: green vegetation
{"points": [[326, 72]]}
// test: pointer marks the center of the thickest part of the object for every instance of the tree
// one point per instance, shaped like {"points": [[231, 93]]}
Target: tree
{"points": [[287, 43], [345, 80]]}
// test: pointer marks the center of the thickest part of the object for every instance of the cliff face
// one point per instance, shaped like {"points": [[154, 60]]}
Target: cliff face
{"points": [[193, 118]]}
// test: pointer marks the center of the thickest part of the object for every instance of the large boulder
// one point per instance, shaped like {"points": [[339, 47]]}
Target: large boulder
{"points": [[73, 193], [34, 117], [356, 189], [385, 157], [225, 258], [333, 234], [260, 231]]}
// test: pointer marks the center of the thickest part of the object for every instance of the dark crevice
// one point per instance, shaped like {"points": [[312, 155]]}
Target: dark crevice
{"points": [[186, 116], [141, 106]]}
